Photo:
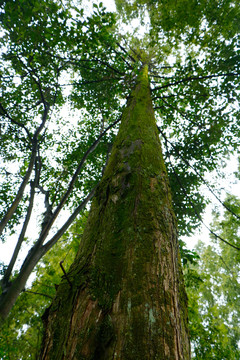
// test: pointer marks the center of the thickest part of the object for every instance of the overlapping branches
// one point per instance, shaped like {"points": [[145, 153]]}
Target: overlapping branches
{"points": [[188, 196]]}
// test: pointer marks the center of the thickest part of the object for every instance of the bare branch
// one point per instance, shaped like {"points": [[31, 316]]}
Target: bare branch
{"points": [[70, 220], [92, 81], [79, 62], [11, 210], [126, 52], [65, 274], [38, 293], [72, 182], [7, 274], [35, 78]]}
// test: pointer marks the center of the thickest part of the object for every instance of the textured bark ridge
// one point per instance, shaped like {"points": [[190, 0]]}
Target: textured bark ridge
{"points": [[127, 299]]}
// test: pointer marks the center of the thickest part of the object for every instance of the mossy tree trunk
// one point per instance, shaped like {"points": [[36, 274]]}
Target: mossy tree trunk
{"points": [[127, 299]]}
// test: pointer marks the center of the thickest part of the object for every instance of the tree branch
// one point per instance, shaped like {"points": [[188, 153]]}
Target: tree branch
{"points": [[38, 293], [93, 81], [70, 220], [11, 210], [78, 62], [4, 112], [199, 175], [7, 274], [72, 182], [196, 212], [126, 52], [193, 78], [65, 274]]}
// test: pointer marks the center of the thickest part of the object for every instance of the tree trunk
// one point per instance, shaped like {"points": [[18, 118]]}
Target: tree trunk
{"points": [[11, 292], [124, 297]]}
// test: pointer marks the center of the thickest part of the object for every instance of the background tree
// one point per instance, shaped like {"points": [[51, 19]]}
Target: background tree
{"points": [[213, 292], [34, 60], [21, 334], [194, 74]]}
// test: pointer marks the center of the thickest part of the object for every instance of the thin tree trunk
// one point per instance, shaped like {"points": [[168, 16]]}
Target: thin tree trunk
{"points": [[13, 207], [124, 296], [11, 210], [5, 280], [10, 294], [13, 289]]}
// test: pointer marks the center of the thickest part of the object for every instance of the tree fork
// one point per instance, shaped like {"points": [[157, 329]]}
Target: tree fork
{"points": [[127, 299]]}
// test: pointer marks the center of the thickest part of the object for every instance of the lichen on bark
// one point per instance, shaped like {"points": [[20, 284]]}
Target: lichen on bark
{"points": [[127, 299]]}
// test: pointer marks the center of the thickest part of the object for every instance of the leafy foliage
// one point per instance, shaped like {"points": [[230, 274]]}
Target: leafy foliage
{"points": [[45, 53], [38, 44], [195, 76], [58, 61], [213, 291]]}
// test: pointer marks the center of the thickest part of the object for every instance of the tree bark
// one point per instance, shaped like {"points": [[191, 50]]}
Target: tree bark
{"points": [[126, 298]]}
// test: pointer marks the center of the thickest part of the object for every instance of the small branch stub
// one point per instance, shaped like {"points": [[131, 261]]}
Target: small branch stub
{"points": [[65, 274]]}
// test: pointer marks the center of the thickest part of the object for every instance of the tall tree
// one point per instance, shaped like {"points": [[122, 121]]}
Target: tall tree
{"points": [[21, 333], [124, 297], [195, 128], [114, 301]]}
